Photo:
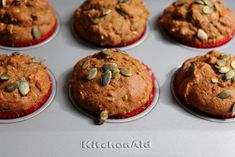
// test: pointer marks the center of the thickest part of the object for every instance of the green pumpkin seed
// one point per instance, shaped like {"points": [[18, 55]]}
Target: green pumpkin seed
{"points": [[125, 72], [11, 87], [218, 6], [86, 64], [4, 77], [214, 80], [24, 87], [233, 110], [10, 28], [224, 56], [106, 78], [4, 3], [208, 2], [103, 117], [36, 33], [199, 2], [224, 95], [221, 62], [97, 20], [36, 60], [126, 1], [233, 79], [106, 11], [233, 64], [224, 70], [115, 73], [201, 34], [16, 54], [91, 74], [229, 75], [110, 66], [107, 52], [121, 51], [191, 70], [207, 10]]}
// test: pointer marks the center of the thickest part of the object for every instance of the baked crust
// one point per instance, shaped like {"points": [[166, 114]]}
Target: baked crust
{"points": [[200, 84], [119, 21], [183, 19], [122, 95], [21, 67], [19, 18]]}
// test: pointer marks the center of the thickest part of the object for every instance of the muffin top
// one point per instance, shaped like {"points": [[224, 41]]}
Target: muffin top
{"points": [[208, 83], [111, 81], [199, 21], [25, 20], [110, 22], [24, 82]]}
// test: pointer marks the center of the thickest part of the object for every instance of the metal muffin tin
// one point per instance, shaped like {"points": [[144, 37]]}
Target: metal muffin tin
{"points": [[168, 130]]}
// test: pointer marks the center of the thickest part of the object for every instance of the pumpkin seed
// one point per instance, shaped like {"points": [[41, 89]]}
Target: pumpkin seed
{"points": [[4, 77], [97, 20], [218, 6], [191, 70], [214, 80], [207, 9], [4, 3], [229, 75], [10, 28], [103, 117], [110, 66], [233, 64], [208, 2], [199, 2], [106, 78], [121, 51], [91, 74], [16, 54], [221, 62], [201, 34], [125, 72], [36, 33], [107, 52], [224, 56], [233, 79], [233, 110], [86, 64], [11, 87], [126, 1], [115, 73], [224, 95], [24, 87], [224, 70], [36, 60], [106, 11]]}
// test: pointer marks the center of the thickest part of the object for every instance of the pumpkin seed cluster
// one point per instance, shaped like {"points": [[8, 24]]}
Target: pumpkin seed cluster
{"points": [[111, 70]]}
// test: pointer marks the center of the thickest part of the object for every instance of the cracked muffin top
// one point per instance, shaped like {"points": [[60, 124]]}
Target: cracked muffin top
{"points": [[199, 23], [24, 21], [24, 82], [111, 81], [111, 22], [207, 83]]}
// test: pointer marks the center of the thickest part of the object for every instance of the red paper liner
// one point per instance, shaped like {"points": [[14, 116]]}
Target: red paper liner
{"points": [[13, 115], [34, 42], [204, 45], [197, 111], [119, 45], [143, 107]]}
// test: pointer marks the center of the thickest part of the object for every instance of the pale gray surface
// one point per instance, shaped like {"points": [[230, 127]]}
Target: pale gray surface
{"points": [[60, 129]]}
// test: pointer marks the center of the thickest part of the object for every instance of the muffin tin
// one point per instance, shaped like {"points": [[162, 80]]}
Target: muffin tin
{"points": [[168, 130]]}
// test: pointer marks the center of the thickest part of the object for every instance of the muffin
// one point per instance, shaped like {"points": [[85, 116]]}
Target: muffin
{"points": [[199, 23], [24, 85], [112, 84], [25, 23], [206, 84], [111, 23]]}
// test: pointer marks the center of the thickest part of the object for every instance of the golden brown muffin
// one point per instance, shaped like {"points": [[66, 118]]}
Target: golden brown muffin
{"points": [[199, 23], [207, 84], [111, 83], [26, 22], [24, 83], [111, 23]]}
